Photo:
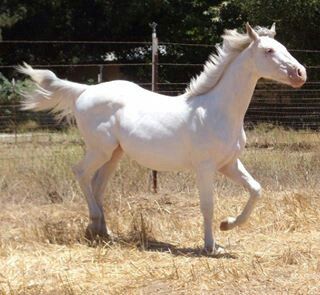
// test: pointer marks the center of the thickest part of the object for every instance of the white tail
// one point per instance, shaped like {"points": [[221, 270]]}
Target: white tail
{"points": [[50, 93]]}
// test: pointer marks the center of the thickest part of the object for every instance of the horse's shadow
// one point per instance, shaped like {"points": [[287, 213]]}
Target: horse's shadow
{"points": [[158, 246], [153, 245]]}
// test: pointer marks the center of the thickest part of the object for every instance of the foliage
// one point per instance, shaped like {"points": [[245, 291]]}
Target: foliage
{"points": [[192, 21], [10, 114], [297, 20], [9, 90]]}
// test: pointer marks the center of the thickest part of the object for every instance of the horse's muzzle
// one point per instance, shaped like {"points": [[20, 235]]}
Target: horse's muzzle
{"points": [[297, 76]]}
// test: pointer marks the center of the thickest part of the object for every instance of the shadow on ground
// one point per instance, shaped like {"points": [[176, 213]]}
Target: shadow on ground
{"points": [[153, 245]]}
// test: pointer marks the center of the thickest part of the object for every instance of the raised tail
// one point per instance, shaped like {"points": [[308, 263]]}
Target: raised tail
{"points": [[50, 92]]}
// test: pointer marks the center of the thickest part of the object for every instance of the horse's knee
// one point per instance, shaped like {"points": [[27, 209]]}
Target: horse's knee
{"points": [[80, 174]]}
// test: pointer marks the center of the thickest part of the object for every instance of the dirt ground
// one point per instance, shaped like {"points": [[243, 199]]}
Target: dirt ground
{"points": [[158, 239]]}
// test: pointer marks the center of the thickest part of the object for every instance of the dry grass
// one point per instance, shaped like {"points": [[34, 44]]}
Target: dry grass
{"points": [[158, 242]]}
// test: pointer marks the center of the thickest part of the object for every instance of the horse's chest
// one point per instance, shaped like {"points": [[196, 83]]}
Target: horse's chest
{"points": [[221, 149], [231, 151]]}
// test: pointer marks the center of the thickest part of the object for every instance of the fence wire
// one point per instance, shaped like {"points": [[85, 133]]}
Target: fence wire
{"points": [[272, 103]]}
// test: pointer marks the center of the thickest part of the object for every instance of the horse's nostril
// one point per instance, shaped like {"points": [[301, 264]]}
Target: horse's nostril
{"points": [[299, 72]]}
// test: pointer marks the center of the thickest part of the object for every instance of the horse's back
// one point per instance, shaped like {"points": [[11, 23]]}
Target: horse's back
{"points": [[105, 93]]}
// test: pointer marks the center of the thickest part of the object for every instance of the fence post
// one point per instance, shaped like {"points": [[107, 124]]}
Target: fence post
{"points": [[100, 74], [15, 123], [154, 87]]}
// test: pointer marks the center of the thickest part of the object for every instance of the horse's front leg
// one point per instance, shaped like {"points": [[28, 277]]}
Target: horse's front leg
{"points": [[205, 172], [236, 172]]}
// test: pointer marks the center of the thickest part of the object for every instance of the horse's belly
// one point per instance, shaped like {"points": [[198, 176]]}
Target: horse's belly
{"points": [[157, 158], [163, 154]]}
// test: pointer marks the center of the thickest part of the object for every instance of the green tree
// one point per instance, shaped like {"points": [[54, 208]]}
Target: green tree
{"points": [[178, 21], [192, 21], [298, 21]]}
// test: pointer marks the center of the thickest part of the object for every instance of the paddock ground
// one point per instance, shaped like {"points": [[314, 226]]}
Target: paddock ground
{"points": [[158, 237]]}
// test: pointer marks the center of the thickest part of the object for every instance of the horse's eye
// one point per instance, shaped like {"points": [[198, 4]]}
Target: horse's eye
{"points": [[269, 50]]}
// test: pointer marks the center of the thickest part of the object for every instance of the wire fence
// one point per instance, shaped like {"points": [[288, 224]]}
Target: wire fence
{"points": [[272, 103]]}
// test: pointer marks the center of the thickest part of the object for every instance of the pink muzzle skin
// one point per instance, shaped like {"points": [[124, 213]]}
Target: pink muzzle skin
{"points": [[297, 76]]}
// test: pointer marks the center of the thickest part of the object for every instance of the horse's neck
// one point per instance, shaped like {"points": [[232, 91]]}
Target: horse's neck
{"points": [[234, 91]]}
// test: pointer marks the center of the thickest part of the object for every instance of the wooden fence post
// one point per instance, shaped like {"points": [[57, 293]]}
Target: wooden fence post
{"points": [[154, 87], [100, 74]]}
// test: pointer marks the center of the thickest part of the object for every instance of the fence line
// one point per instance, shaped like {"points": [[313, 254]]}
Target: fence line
{"points": [[129, 43], [121, 65], [80, 65], [272, 102]]}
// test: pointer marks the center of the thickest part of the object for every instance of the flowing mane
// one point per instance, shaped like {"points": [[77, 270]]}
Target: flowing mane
{"points": [[233, 44]]}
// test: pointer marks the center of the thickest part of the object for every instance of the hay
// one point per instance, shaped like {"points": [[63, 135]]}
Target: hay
{"points": [[158, 242]]}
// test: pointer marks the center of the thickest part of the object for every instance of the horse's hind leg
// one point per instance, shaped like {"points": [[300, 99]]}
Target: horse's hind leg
{"points": [[236, 172], [84, 172], [99, 184]]}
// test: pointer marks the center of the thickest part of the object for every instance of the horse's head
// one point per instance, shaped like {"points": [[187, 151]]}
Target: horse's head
{"points": [[273, 61]]}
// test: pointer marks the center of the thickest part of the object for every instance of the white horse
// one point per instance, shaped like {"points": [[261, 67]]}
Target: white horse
{"points": [[201, 129]]}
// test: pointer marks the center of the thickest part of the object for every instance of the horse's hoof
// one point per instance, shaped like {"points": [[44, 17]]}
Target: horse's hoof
{"points": [[224, 225], [110, 235], [91, 233], [106, 236], [98, 233], [217, 251], [227, 224]]}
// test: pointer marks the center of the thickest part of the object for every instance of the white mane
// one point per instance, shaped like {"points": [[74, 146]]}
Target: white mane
{"points": [[233, 44]]}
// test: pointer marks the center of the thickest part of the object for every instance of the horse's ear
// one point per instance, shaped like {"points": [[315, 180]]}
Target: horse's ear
{"points": [[251, 33], [273, 29]]}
